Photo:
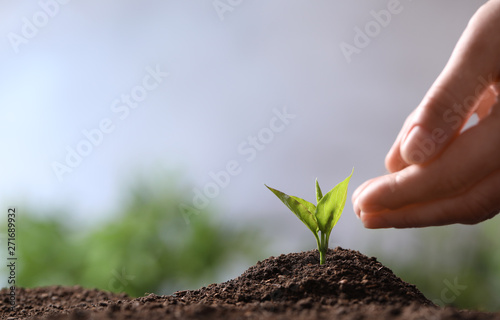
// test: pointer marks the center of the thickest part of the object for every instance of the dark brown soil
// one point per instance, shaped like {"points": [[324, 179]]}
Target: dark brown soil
{"points": [[293, 286]]}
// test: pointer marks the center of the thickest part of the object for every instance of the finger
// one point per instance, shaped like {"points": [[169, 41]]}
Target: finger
{"points": [[471, 157], [486, 101], [355, 194], [393, 161], [480, 203], [446, 107]]}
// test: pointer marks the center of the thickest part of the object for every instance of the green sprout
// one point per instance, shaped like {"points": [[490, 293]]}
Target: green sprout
{"points": [[321, 218]]}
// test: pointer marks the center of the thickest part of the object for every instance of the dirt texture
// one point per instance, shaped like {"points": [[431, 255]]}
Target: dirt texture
{"points": [[293, 286]]}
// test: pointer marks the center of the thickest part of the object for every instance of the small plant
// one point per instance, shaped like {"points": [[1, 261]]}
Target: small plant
{"points": [[321, 218]]}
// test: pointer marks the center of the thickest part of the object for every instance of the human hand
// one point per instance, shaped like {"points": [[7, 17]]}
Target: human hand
{"points": [[438, 174]]}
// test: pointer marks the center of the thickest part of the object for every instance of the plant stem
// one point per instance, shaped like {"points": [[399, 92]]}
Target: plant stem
{"points": [[321, 257], [318, 242], [323, 246]]}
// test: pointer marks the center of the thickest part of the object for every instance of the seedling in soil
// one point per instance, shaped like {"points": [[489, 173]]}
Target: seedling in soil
{"points": [[320, 219]]}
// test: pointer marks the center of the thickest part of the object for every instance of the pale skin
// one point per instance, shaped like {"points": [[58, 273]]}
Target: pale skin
{"points": [[440, 174]]}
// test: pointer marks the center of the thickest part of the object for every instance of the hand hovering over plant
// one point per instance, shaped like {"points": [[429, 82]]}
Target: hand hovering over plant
{"points": [[440, 175]]}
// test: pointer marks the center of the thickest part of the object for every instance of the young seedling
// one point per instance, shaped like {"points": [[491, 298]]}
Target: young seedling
{"points": [[322, 217]]}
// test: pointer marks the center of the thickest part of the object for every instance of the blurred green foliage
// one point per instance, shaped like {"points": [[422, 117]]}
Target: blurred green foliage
{"points": [[149, 246], [456, 265]]}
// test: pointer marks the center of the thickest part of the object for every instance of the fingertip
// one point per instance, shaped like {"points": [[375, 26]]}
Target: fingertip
{"points": [[359, 190], [367, 199], [355, 207], [373, 221], [393, 160], [355, 197], [420, 146]]}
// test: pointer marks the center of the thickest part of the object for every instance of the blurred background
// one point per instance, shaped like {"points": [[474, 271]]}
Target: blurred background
{"points": [[137, 137]]}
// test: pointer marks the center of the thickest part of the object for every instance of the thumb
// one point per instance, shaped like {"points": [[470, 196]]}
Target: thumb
{"points": [[473, 66]]}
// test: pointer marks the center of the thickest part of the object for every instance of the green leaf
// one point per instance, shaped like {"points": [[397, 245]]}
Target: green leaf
{"points": [[303, 209], [330, 206], [319, 194]]}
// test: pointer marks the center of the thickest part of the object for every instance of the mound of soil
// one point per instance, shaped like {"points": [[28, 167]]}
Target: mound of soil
{"points": [[293, 286]]}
